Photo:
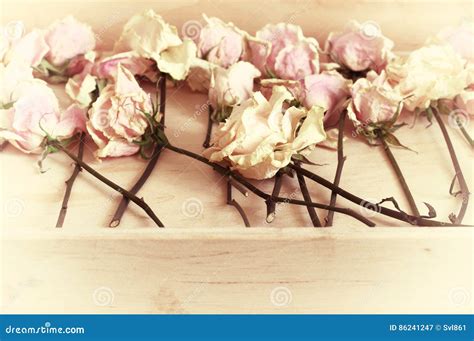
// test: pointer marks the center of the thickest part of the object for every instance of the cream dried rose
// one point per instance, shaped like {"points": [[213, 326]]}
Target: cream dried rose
{"points": [[147, 35], [360, 47], [429, 74], [117, 119], [261, 135]]}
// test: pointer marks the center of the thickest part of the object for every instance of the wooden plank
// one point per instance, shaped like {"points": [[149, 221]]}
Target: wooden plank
{"points": [[238, 271]]}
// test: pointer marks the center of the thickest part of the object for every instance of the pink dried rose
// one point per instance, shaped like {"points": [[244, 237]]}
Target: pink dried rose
{"points": [[328, 90], [68, 38], [374, 100], [232, 86], [461, 39], [29, 49], [106, 68], [32, 113], [117, 119], [288, 55], [220, 43], [360, 47], [81, 86]]}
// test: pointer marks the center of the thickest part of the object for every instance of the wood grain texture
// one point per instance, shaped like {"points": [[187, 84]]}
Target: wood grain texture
{"points": [[207, 262], [236, 271]]}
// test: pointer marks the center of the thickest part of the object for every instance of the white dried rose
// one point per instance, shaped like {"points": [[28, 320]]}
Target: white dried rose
{"points": [[149, 36], [261, 135], [429, 74]]}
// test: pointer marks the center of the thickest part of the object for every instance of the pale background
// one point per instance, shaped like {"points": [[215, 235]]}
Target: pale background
{"points": [[213, 265]]}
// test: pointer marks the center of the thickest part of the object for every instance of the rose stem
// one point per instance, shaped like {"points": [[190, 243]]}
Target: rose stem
{"points": [[224, 171], [307, 197], [70, 182], [232, 202], [111, 184], [464, 132], [364, 203], [161, 88], [271, 205], [136, 187], [207, 141], [459, 174], [340, 164], [400, 177]]}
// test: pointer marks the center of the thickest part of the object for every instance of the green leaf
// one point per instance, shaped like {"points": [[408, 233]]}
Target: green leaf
{"points": [[6, 105], [222, 114], [270, 73], [304, 159], [393, 140]]}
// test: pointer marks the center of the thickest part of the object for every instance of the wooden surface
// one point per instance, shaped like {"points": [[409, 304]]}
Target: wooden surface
{"points": [[238, 271], [207, 262], [184, 192]]}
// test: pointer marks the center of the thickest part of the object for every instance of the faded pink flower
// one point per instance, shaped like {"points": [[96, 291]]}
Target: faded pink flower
{"points": [[33, 112], [107, 67], [373, 100], [289, 54], [220, 43], [233, 85], [461, 39], [29, 49], [328, 90], [360, 47], [68, 38], [117, 119]]}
